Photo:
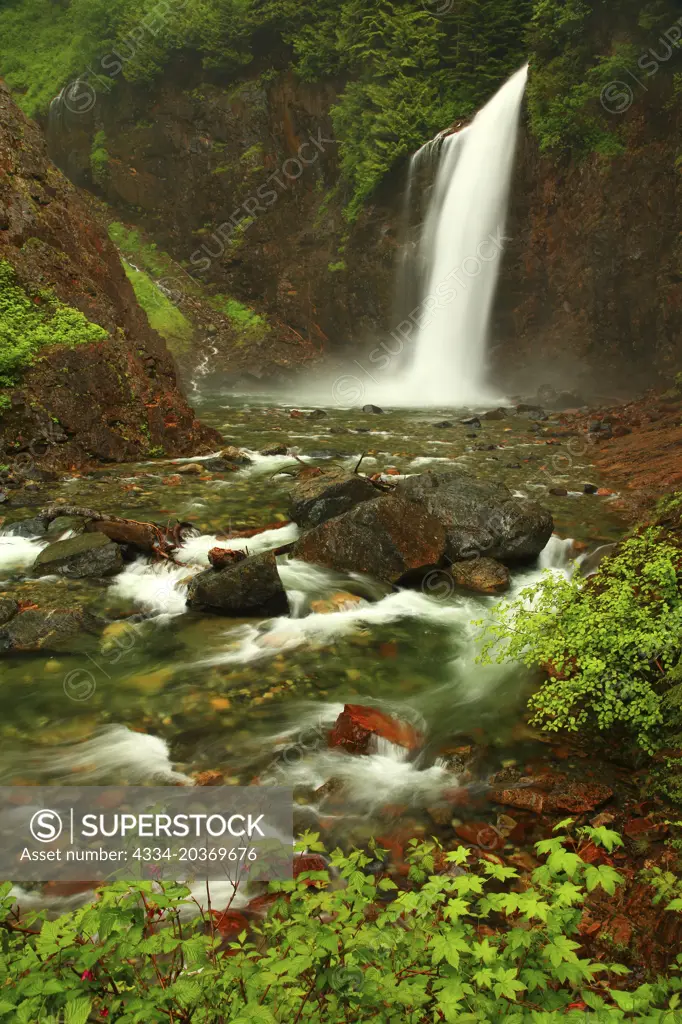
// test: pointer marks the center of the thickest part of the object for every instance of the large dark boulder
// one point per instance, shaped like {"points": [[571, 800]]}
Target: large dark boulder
{"points": [[389, 538], [480, 517], [36, 630], [90, 554], [250, 587], [316, 499]]}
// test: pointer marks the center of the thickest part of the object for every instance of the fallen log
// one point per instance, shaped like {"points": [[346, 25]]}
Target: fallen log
{"points": [[150, 538]]}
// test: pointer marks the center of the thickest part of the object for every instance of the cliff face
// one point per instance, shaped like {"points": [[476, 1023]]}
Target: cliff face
{"points": [[591, 287], [114, 399], [241, 183]]}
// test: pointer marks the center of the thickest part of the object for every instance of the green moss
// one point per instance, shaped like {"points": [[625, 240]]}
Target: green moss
{"points": [[144, 254], [335, 268], [99, 158], [35, 320], [249, 325], [163, 316]]}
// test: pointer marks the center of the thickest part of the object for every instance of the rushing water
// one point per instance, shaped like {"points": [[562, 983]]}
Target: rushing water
{"points": [[450, 273], [166, 692]]}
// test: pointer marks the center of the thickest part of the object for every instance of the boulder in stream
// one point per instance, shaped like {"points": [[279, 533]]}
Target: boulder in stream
{"points": [[249, 587], [36, 630], [90, 554], [389, 538], [480, 516], [330, 493]]}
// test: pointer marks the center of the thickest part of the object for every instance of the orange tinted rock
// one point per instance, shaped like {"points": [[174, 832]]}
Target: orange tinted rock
{"points": [[356, 725], [230, 923], [579, 797], [480, 834]]}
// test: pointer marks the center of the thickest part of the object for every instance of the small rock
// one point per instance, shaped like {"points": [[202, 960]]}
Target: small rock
{"points": [[26, 528], [621, 431], [236, 455], [192, 467], [274, 449], [471, 421], [594, 426], [513, 465], [296, 414], [495, 414], [8, 609], [343, 601], [222, 557], [482, 575], [317, 414], [443, 424], [558, 492], [590, 489], [372, 408], [90, 554], [220, 465], [357, 725], [481, 834], [604, 492]]}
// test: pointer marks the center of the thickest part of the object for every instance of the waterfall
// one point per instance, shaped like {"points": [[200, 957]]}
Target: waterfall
{"points": [[456, 261]]}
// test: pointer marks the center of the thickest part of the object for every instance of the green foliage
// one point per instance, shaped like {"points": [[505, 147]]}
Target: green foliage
{"points": [[145, 255], [99, 158], [319, 956], [163, 316], [30, 322], [248, 325], [608, 644]]}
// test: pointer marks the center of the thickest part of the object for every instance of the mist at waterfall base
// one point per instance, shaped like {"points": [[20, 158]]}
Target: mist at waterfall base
{"points": [[437, 357]]}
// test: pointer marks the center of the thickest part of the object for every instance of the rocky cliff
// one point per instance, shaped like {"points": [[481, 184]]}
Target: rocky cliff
{"points": [[241, 183], [115, 398]]}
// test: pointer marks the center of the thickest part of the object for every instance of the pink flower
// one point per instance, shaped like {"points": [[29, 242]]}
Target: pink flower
{"points": [[87, 976]]}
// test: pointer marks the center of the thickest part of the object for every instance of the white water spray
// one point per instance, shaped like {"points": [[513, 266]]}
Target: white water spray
{"points": [[460, 250]]}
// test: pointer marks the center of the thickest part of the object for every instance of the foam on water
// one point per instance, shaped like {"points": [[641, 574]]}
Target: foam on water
{"points": [[116, 754], [18, 552]]}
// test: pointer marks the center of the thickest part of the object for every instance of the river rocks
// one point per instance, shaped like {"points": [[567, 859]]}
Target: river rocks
{"points": [[575, 796], [250, 587], [236, 455], [444, 424], [386, 538], [274, 449], [328, 494], [220, 558], [590, 489], [357, 727], [480, 517], [8, 609], [481, 834], [495, 414], [26, 528], [220, 465], [558, 492], [471, 421], [373, 409], [91, 554], [191, 469], [317, 414], [36, 630], [482, 575]]}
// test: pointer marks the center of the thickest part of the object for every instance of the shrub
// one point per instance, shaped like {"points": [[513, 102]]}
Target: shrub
{"points": [[28, 323], [608, 644], [247, 324], [462, 946]]}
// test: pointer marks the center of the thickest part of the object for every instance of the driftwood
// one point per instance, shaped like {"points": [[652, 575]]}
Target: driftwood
{"points": [[151, 538]]}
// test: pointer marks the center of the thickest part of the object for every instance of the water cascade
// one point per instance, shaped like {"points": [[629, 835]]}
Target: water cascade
{"points": [[456, 261]]}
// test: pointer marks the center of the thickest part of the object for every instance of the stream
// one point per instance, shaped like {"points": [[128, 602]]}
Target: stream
{"points": [[166, 693]]}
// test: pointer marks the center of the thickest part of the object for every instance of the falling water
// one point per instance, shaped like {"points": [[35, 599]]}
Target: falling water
{"points": [[459, 255]]}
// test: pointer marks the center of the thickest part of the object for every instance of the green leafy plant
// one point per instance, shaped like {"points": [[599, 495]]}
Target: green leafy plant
{"points": [[466, 945], [249, 325], [31, 322], [607, 644]]}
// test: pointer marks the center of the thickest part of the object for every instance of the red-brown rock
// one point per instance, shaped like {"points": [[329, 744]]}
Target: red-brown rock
{"points": [[480, 834], [357, 725], [579, 797], [221, 557], [309, 862]]}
